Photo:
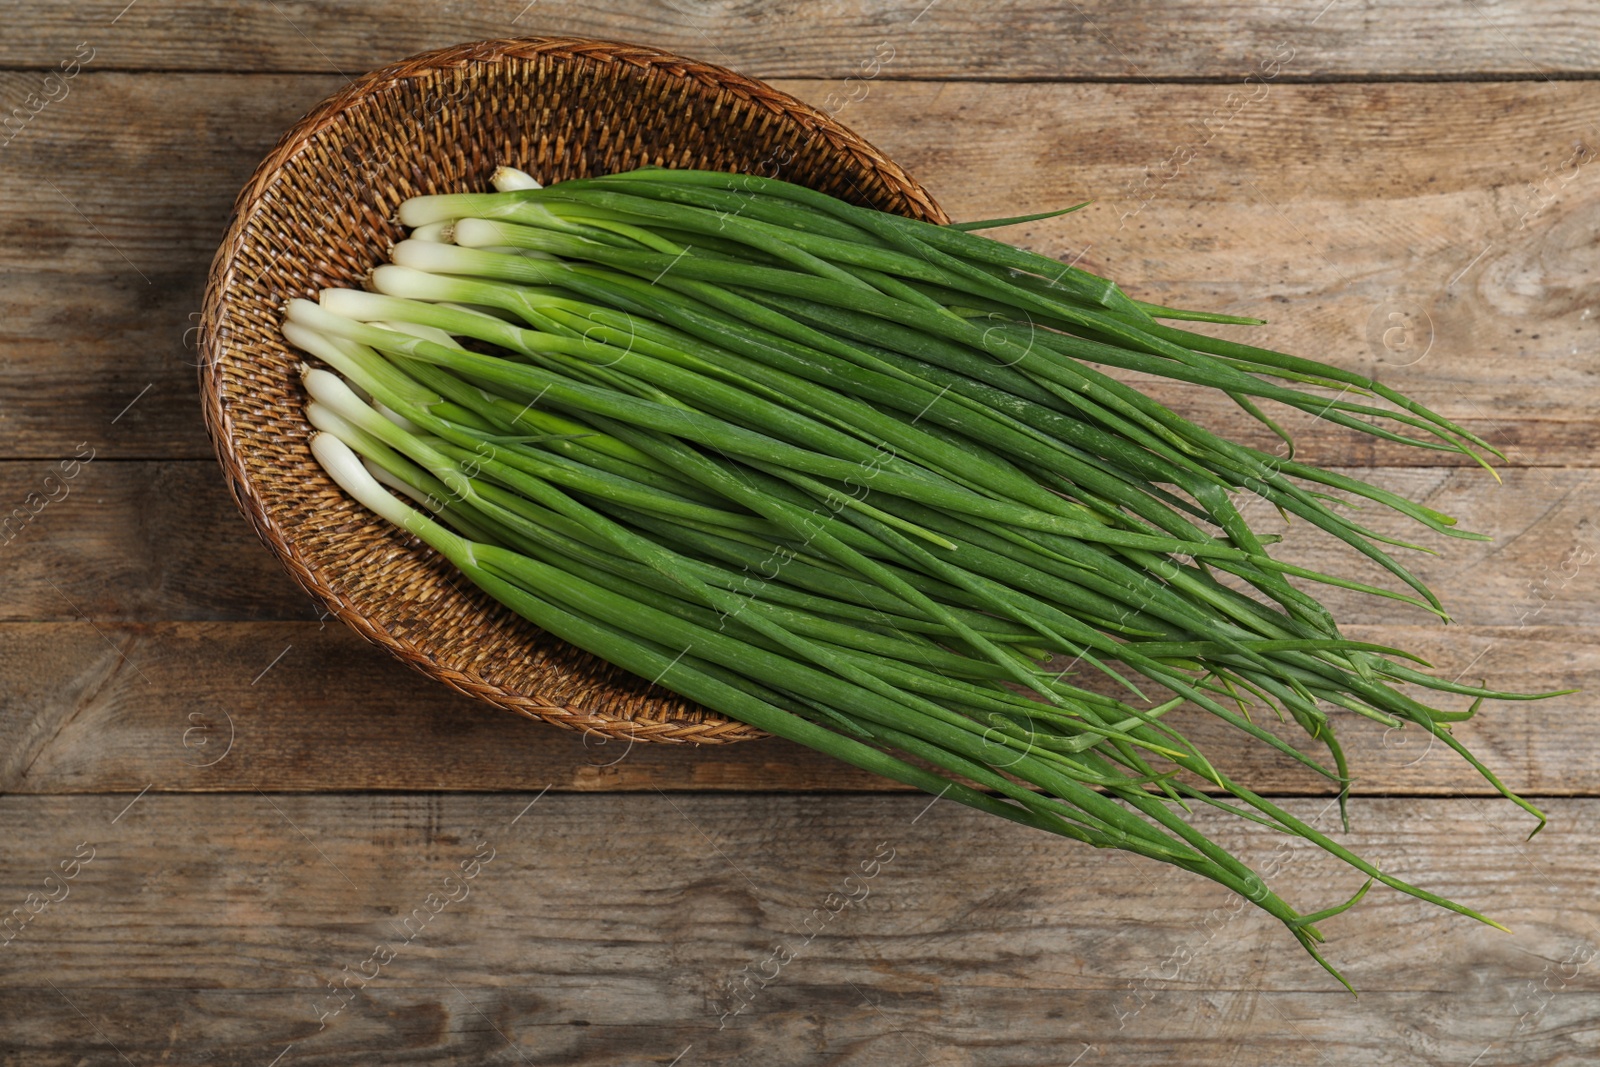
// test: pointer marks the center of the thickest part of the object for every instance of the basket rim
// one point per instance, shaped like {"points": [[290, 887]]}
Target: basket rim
{"points": [[219, 419]]}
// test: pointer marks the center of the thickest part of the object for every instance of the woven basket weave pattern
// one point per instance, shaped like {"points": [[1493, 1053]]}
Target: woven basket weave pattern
{"points": [[318, 212]]}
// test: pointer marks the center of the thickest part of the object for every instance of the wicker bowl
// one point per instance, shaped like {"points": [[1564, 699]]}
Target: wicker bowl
{"points": [[318, 212]]}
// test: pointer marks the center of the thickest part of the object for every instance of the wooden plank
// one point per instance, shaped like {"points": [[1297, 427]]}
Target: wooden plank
{"points": [[1031, 40], [208, 707], [162, 540], [103, 288], [603, 930], [102, 361], [1537, 568], [133, 540], [568, 1020], [297, 707], [1245, 215]]}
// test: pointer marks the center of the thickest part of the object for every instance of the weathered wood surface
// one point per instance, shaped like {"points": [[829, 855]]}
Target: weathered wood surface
{"points": [[614, 930], [299, 706], [268, 798], [950, 39], [137, 540], [133, 540], [1465, 209], [92, 677]]}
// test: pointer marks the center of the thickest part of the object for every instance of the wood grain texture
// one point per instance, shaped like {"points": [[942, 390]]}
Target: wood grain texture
{"points": [[130, 542], [1312, 206], [268, 799], [849, 1023], [142, 540], [101, 359], [134, 540], [1033, 39], [298, 706], [610, 930]]}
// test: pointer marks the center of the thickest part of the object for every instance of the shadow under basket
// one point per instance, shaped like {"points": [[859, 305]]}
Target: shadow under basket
{"points": [[319, 212]]}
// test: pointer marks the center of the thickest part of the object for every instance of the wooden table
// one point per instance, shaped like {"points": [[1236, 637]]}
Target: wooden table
{"points": [[259, 812]]}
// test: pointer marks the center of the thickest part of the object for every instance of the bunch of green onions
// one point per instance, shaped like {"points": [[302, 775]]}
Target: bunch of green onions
{"points": [[865, 483]]}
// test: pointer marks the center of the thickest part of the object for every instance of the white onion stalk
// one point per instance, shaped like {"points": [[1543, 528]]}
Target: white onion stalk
{"points": [[450, 259], [507, 179], [481, 233], [447, 207], [347, 470], [435, 233]]}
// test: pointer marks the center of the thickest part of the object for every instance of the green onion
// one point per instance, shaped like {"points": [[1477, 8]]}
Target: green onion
{"points": [[870, 484]]}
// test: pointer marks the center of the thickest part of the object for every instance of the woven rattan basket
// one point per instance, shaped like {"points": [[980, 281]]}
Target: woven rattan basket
{"points": [[318, 213]]}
